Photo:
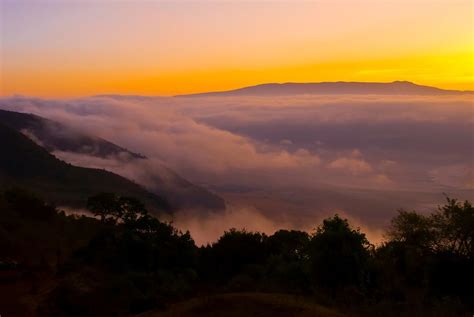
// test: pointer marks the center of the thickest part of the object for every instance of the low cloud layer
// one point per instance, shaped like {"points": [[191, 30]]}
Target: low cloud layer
{"points": [[208, 228], [308, 154]]}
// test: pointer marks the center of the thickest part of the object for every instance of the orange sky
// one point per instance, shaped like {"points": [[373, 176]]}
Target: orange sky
{"points": [[74, 48]]}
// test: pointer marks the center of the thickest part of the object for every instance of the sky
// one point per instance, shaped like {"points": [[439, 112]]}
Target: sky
{"points": [[78, 48]]}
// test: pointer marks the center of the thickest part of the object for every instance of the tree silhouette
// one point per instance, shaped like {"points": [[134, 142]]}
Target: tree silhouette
{"points": [[290, 244], [236, 250], [338, 255], [137, 262], [453, 225], [104, 205], [131, 209], [412, 229]]}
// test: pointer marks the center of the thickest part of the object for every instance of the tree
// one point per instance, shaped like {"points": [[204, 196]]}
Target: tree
{"points": [[338, 255], [126, 210], [429, 255], [105, 205], [290, 244], [29, 205], [287, 264], [237, 250], [453, 225], [131, 210], [412, 229], [450, 229]]}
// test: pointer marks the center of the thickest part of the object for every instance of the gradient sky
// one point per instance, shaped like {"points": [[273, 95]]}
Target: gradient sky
{"points": [[72, 48]]}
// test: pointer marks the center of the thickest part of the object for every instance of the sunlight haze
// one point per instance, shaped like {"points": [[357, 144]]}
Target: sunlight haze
{"points": [[76, 48]]}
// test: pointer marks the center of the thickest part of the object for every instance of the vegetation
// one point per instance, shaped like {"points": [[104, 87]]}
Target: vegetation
{"points": [[28, 165], [56, 136], [248, 305], [52, 136], [126, 262]]}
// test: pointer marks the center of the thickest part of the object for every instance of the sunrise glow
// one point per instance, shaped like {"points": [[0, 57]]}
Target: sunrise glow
{"points": [[74, 48]]}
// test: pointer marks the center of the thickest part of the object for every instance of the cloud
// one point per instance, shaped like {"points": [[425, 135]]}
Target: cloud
{"points": [[454, 176], [208, 228], [286, 142], [353, 165], [32, 137], [382, 179], [367, 155]]}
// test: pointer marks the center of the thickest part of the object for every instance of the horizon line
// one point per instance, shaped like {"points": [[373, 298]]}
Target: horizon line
{"points": [[105, 94]]}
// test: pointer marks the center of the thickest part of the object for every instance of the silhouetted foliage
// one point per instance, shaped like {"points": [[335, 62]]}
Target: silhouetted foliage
{"points": [[290, 244], [128, 261], [453, 226], [412, 229], [339, 255], [104, 205], [428, 256], [237, 254], [287, 267], [26, 204]]}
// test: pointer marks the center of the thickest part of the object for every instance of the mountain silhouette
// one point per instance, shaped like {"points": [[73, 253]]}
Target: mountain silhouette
{"points": [[25, 164], [55, 136], [333, 88]]}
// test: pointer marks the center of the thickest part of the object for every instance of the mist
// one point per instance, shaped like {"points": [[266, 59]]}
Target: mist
{"points": [[282, 162]]}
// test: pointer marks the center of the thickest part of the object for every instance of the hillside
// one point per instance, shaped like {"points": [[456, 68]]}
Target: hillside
{"points": [[52, 264], [247, 304], [55, 136], [331, 88], [26, 164]]}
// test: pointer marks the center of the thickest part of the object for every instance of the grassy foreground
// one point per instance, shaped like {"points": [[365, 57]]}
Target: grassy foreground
{"points": [[245, 304]]}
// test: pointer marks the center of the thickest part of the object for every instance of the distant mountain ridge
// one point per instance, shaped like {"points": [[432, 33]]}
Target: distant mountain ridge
{"points": [[332, 88]]}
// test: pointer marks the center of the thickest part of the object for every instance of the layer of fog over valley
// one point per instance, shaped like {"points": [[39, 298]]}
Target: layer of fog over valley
{"points": [[283, 161]]}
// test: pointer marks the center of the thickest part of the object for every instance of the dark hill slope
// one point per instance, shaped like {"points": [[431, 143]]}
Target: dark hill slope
{"points": [[333, 88], [247, 304], [24, 163], [55, 136]]}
